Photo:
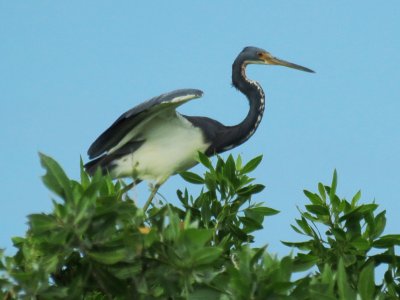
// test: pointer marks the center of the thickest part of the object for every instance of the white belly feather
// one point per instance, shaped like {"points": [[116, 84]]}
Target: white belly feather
{"points": [[171, 145]]}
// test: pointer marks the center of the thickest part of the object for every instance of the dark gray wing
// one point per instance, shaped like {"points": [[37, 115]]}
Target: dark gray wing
{"points": [[127, 121]]}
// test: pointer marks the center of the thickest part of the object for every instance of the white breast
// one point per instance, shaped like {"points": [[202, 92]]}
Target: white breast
{"points": [[171, 145]]}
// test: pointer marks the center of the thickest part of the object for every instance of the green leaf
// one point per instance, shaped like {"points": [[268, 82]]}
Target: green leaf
{"points": [[361, 244], [386, 259], [230, 168], [345, 291], [84, 176], [366, 283], [318, 210], [265, 211], [300, 245], [258, 217], [368, 207], [314, 198], [173, 230], [257, 255], [220, 164], [335, 203], [359, 212], [197, 237], [327, 274], [322, 192], [205, 161], [339, 234], [125, 271], [304, 226], [191, 177], [42, 223], [55, 178], [355, 199], [239, 163], [205, 210], [304, 262], [84, 209], [310, 217], [388, 277], [238, 232], [349, 260], [332, 191], [109, 257], [250, 190], [297, 229], [387, 241], [250, 224], [206, 255], [380, 224], [251, 165], [183, 197], [18, 241]]}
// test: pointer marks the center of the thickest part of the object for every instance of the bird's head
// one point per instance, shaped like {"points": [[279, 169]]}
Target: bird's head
{"points": [[254, 55]]}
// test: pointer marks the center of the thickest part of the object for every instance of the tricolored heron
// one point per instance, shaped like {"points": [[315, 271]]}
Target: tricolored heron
{"points": [[152, 141]]}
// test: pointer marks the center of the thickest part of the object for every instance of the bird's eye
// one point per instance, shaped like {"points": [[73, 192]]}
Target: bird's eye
{"points": [[260, 54]]}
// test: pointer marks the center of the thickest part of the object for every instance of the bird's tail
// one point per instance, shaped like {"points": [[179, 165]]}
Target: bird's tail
{"points": [[93, 165]]}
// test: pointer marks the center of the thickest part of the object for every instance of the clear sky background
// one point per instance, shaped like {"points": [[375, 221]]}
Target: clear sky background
{"points": [[69, 69]]}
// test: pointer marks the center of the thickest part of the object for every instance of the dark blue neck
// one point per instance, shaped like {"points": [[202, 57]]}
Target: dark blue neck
{"points": [[233, 136]]}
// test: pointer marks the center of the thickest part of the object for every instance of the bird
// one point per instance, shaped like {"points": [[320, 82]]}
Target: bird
{"points": [[153, 141]]}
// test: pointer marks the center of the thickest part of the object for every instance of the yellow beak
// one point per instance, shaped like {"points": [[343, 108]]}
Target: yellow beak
{"points": [[270, 60]]}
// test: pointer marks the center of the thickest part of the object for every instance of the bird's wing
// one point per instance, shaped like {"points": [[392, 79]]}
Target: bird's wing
{"points": [[141, 113]]}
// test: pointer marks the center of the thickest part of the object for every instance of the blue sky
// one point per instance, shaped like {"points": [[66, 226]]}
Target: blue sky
{"points": [[69, 69]]}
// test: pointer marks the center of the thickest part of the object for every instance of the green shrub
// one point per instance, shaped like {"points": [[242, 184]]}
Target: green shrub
{"points": [[97, 244]]}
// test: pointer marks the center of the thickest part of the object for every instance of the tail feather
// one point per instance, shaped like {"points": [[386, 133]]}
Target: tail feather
{"points": [[105, 162], [94, 164]]}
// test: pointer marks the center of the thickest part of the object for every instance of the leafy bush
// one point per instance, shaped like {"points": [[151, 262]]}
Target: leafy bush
{"points": [[97, 244]]}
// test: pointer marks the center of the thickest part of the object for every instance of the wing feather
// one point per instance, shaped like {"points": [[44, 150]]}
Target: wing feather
{"points": [[140, 113]]}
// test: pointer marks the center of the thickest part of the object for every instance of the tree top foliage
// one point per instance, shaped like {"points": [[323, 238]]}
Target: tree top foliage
{"points": [[98, 244]]}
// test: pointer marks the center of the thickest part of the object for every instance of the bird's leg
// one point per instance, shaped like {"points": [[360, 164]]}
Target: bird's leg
{"points": [[152, 194], [134, 183]]}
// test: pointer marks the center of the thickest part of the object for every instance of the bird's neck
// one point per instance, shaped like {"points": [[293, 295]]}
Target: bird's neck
{"points": [[238, 134]]}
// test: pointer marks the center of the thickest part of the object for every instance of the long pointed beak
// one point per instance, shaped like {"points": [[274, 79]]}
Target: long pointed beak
{"points": [[280, 62]]}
